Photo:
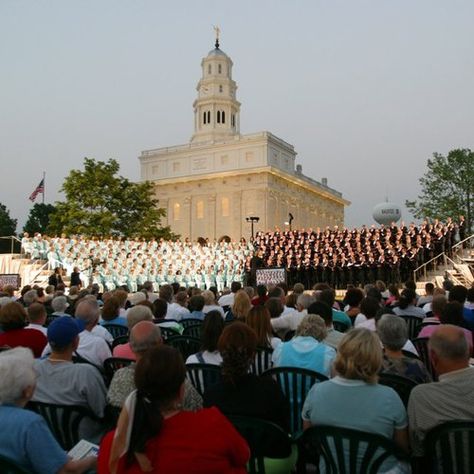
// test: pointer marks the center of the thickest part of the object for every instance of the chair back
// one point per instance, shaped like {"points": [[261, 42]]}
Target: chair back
{"points": [[187, 345], [63, 420], [402, 385], [190, 322], [120, 340], [262, 361], [346, 450], [263, 438], [295, 384], [116, 330], [421, 345], [112, 364], [7, 466], [203, 376], [340, 326], [450, 447], [413, 325], [193, 330], [167, 333]]}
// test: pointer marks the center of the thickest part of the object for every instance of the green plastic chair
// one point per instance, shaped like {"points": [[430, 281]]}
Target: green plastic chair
{"points": [[413, 325], [402, 385], [7, 466], [193, 330], [168, 333], [63, 420], [112, 364], [348, 451], [265, 440], [421, 345], [295, 384], [189, 322], [262, 361], [116, 330], [120, 340], [340, 326], [450, 447], [187, 345], [202, 376]]}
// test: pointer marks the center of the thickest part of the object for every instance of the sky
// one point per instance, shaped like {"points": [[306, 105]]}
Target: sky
{"points": [[365, 90]]}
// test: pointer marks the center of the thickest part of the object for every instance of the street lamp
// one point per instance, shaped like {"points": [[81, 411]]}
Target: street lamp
{"points": [[252, 219]]}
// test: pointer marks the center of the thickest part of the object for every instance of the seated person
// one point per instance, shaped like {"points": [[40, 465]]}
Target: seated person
{"points": [[393, 334], [25, 437], [212, 328], [111, 313], [306, 350], [258, 319], [62, 382], [13, 321], [196, 305], [242, 393], [353, 399], [407, 304], [154, 435], [144, 336], [37, 317]]}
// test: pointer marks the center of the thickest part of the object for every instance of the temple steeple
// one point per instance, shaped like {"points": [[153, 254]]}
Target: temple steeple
{"points": [[216, 109]]}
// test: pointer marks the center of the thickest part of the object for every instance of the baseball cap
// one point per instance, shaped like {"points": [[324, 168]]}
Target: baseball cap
{"points": [[63, 330]]}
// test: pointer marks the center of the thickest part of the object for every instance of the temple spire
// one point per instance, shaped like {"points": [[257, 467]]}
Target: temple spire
{"points": [[218, 32]]}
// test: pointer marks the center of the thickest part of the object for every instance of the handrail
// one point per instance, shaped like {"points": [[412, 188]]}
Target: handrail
{"points": [[429, 261], [39, 272], [12, 238], [462, 241]]}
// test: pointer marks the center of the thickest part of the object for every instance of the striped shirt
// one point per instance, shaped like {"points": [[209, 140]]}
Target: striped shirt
{"points": [[452, 398]]}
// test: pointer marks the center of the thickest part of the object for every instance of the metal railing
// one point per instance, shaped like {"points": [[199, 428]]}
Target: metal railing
{"points": [[456, 249]]}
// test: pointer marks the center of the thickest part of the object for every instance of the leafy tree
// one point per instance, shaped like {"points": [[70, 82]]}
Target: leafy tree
{"points": [[100, 202], [7, 227], [38, 219], [447, 188]]}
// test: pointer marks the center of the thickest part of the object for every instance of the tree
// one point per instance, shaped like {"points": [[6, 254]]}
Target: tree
{"points": [[447, 188], [38, 219], [99, 202], [7, 228]]}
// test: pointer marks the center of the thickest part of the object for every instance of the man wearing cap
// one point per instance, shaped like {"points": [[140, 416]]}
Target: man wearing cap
{"points": [[91, 347], [62, 382]]}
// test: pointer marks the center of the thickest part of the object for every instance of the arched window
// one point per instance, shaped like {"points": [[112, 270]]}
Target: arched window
{"points": [[219, 68], [223, 117], [204, 117], [221, 89], [209, 69], [218, 116], [208, 116], [233, 120], [176, 211], [200, 210]]}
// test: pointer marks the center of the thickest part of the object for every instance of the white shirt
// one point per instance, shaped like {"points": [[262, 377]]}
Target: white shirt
{"points": [[289, 321], [91, 347], [38, 327], [227, 300], [103, 333], [213, 307], [176, 311], [360, 318], [213, 358]]}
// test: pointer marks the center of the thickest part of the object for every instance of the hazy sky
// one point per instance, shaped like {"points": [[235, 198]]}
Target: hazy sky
{"points": [[366, 91]]}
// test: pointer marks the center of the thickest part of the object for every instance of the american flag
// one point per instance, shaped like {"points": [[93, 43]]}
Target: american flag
{"points": [[39, 189]]}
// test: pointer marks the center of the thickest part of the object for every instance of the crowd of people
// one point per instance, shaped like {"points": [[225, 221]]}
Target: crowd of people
{"points": [[337, 256], [55, 348]]}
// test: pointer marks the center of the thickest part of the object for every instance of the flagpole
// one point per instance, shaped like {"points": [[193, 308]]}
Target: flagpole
{"points": [[44, 184]]}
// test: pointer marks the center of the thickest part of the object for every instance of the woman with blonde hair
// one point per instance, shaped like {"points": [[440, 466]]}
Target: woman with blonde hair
{"points": [[353, 398], [241, 306], [258, 319]]}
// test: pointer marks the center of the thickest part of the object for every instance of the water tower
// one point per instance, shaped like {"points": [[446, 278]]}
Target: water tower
{"points": [[387, 212]]}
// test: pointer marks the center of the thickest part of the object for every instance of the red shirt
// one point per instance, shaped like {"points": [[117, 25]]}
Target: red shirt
{"points": [[202, 442], [31, 338]]}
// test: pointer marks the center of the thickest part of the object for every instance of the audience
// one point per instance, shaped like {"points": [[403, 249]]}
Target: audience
{"points": [[144, 336], [24, 435], [393, 334], [111, 313], [212, 328], [37, 317], [333, 337], [240, 306], [306, 350], [154, 434], [13, 321], [290, 321], [258, 319], [353, 398], [407, 305], [452, 398]]}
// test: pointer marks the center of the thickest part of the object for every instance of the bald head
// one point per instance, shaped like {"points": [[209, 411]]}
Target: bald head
{"points": [[143, 336], [449, 344], [88, 311]]}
